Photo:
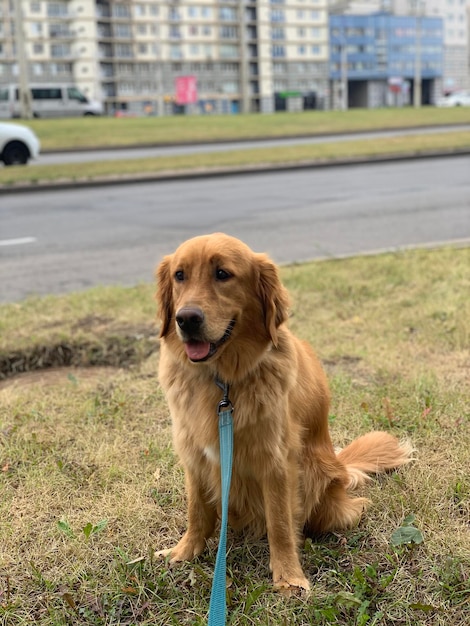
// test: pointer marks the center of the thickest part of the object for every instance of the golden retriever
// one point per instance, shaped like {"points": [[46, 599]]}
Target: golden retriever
{"points": [[223, 315]]}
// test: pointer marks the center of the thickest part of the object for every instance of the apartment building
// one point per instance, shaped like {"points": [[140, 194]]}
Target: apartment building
{"points": [[134, 55], [456, 19]]}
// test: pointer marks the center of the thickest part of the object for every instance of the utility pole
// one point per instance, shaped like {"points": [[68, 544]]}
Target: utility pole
{"points": [[25, 92], [417, 6], [243, 66], [344, 75]]}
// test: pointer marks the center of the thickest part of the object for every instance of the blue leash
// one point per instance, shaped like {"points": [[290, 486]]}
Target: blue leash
{"points": [[217, 606]]}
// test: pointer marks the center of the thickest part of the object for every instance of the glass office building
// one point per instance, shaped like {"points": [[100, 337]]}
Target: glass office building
{"points": [[376, 59]]}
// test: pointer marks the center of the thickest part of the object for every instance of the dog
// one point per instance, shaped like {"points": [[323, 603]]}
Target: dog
{"points": [[223, 313]]}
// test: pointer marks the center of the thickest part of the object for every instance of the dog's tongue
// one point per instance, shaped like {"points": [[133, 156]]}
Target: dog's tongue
{"points": [[197, 350]]}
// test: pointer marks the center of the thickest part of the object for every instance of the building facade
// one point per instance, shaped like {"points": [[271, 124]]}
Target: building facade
{"points": [[455, 15], [256, 55], [456, 24], [374, 59]]}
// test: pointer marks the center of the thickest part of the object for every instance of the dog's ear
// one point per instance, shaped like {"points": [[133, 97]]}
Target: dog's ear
{"points": [[164, 294], [273, 296]]}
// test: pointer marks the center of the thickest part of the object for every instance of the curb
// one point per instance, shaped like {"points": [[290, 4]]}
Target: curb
{"points": [[261, 168]]}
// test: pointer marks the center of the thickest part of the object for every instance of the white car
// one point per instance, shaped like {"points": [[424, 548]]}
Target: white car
{"points": [[18, 144], [456, 99]]}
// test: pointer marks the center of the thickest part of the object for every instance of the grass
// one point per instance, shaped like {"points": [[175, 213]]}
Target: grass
{"points": [[89, 132], [89, 484], [258, 157]]}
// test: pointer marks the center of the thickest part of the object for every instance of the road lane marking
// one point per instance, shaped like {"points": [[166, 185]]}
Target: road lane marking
{"points": [[17, 242]]}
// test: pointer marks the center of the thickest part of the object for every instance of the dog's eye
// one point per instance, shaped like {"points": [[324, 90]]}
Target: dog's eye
{"points": [[222, 274], [179, 276]]}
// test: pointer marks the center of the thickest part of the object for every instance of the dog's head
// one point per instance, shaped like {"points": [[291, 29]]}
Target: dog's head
{"points": [[215, 291]]}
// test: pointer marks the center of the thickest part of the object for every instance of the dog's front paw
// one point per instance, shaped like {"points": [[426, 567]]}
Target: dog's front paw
{"points": [[186, 550], [293, 585], [162, 554]]}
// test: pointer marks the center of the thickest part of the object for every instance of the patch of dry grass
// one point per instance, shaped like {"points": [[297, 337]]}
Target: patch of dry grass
{"points": [[89, 485]]}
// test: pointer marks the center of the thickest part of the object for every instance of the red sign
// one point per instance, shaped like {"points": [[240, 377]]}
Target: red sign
{"points": [[186, 90]]}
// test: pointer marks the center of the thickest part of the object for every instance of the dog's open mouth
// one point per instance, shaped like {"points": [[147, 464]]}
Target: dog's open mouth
{"points": [[198, 351]]}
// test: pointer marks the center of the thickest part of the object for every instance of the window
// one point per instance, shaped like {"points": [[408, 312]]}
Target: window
{"points": [[228, 51], [36, 29], [60, 68], [74, 94], [123, 50], [228, 14], [121, 10], [58, 30], [174, 15], [46, 93], [277, 33], [122, 31], [176, 52], [60, 50], [228, 32], [230, 86], [228, 68], [277, 15], [278, 51], [57, 9]]}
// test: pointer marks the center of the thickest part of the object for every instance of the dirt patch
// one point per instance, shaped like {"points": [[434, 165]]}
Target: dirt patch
{"points": [[58, 376], [100, 344]]}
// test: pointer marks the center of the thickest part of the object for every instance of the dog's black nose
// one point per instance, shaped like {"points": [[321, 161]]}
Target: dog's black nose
{"points": [[190, 319]]}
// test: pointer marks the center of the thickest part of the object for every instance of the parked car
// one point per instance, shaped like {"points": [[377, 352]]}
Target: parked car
{"points": [[18, 144], [48, 100], [456, 99]]}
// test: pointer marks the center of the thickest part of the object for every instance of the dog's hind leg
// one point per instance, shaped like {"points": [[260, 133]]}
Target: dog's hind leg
{"points": [[327, 504], [336, 510]]}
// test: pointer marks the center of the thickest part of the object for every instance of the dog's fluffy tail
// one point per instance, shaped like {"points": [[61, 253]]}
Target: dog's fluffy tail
{"points": [[373, 453]]}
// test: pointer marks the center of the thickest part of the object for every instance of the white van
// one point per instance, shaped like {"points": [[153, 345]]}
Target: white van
{"points": [[48, 100]]}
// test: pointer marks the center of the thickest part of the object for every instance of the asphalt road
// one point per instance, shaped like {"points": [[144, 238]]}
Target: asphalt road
{"points": [[68, 240], [122, 154]]}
